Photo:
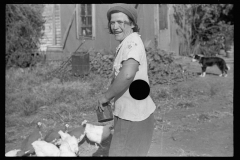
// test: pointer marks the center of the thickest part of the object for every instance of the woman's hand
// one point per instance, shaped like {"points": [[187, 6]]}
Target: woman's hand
{"points": [[102, 102]]}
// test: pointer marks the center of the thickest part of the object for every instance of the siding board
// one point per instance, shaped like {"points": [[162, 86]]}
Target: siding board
{"points": [[149, 23]]}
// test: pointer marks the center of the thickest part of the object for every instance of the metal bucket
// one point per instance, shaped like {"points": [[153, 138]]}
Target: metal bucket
{"points": [[80, 63], [106, 115]]}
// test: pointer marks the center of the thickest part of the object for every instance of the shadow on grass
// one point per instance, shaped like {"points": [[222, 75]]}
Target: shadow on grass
{"points": [[213, 74], [104, 150]]}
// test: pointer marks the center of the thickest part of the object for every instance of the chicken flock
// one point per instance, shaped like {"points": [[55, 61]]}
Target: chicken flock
{"points": [[59, 141]]}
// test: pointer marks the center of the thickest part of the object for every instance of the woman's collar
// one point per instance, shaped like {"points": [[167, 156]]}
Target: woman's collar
{"points": [[130, 35]]}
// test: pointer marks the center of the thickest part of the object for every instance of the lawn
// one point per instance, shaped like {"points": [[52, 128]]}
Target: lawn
{"points": [[193, 118]]}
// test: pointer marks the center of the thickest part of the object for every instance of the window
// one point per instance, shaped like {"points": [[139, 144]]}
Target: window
{"points": [[85, 20]]}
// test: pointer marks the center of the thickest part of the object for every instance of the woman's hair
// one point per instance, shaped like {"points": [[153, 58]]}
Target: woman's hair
{"points": [[135, 29]]}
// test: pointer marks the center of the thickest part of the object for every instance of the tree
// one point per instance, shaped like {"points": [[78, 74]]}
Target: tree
{"points": [[24, 25], [205, 24]]}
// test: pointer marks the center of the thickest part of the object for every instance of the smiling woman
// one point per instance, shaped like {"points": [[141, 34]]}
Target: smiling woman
{"points": [[133, 115], [120, 25], [131, 17]]}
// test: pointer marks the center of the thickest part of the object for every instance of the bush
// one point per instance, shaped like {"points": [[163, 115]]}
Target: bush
{"points": [[24, 25], [162, 68], [101, 63]]}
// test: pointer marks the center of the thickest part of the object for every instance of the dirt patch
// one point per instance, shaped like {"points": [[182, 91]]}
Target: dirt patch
{"points": [[201, 127]]}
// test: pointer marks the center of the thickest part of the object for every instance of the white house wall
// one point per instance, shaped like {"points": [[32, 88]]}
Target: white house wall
{"points": [[52, 32]]}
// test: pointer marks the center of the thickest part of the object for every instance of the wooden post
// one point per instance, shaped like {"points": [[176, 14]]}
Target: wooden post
{"points": [[156, 25], [54, 26], [77, 20], [93, 21]]}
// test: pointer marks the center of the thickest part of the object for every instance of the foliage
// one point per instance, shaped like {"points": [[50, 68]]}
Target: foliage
{"points": [[29, 99], [27, 92], [24, 25], [161, 67], [210, 24], [101, 64]]}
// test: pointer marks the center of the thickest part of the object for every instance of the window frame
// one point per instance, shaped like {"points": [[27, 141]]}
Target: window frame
{"points": [[78, 23]]}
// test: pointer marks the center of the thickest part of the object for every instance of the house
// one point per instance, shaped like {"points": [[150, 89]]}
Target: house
{"points": [[67, 25]]}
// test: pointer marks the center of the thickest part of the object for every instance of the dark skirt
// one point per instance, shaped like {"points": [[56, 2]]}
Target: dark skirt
{"points": [[132, 138]]}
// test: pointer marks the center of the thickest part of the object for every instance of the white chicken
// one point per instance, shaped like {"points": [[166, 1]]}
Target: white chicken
{"points": [[45, 149], [12, 153], [65, 150], [97, 134], [71, 140]]}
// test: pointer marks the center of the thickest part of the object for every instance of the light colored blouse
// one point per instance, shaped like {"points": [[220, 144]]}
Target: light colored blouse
{"points": [[126, 107]]}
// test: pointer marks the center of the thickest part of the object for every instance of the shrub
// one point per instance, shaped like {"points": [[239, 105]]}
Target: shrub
{"points": [[24, 25], [101, 63], [163, 69]]}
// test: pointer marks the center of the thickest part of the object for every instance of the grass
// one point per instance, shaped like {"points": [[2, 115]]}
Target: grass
{"points": [[26, 92], [30, 98], [185, 105], [208, 116]]}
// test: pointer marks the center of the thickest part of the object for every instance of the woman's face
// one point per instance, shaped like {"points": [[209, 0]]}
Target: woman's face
{"points": [[120, 26]]}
